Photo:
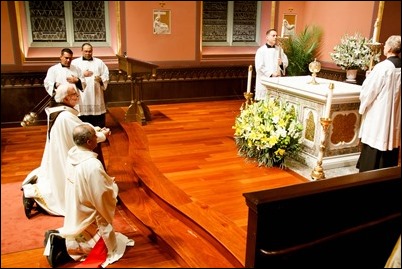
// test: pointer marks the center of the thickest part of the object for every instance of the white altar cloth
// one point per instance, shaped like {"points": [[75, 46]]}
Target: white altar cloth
{"points": [[342, 143]]}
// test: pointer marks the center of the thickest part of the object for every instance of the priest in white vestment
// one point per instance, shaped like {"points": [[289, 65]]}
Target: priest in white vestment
{"points": [[45, 184], [380, 107], [91, 202]]}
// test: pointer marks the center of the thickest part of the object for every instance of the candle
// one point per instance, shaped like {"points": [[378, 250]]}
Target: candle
{"points": [[375, 33], [250, 70], [329, 100]]}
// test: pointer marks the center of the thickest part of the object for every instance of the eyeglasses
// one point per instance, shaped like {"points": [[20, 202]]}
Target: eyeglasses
{"points": [[74, 94]]}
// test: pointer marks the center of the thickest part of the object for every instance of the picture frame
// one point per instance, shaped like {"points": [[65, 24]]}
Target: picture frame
{"points": [[161, 21], [288, 25]]}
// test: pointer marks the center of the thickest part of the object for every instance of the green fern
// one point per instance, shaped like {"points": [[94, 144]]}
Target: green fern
{"points": [[301, 50]]}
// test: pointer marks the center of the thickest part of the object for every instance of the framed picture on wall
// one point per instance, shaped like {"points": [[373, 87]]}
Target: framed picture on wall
{"points": [[288, 25], [161, 21]]}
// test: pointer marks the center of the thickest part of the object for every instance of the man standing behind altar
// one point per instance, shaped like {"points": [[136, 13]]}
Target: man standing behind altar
{"points": [[270, 61], [380, 107]]}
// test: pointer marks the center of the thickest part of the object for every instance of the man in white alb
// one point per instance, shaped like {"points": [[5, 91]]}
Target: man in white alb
{"points": [[270, 61]]}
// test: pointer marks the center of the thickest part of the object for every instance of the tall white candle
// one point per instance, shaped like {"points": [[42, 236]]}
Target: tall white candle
{"points": [[329, 100], [375, 32], [250, 70]]}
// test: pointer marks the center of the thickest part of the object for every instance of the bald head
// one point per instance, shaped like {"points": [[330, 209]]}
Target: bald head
{"points": [[82, 134]]}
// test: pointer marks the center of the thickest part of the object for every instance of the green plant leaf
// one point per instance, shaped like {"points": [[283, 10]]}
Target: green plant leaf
{"points": [[302, 49]]}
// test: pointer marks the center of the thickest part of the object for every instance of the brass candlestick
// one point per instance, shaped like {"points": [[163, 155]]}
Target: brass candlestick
{"points": [[374, 47], [249, 100], [318, 171], [314, 67]]}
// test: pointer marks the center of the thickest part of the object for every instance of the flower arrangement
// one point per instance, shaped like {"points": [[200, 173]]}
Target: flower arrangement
{"points": [[268, 131], [353, 53]]}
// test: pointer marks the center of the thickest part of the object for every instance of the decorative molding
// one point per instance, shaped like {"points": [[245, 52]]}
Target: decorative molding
{"points": [[27, 79]]}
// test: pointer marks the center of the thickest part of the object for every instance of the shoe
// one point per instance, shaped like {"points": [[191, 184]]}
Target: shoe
{"points": [[47, 234], [28, 205], [58, 251]]}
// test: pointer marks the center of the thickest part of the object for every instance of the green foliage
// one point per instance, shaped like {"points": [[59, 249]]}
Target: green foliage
{"points": [[268, 131], [301, 50]]}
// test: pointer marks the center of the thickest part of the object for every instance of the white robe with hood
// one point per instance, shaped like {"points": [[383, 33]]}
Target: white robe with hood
{"points": [[92, 197]]}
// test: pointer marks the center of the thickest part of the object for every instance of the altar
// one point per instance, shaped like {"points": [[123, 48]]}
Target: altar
{"points": [[342, 142]]}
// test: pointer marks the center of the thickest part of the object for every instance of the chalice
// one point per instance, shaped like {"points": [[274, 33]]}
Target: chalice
{"points": [[314, 68]]}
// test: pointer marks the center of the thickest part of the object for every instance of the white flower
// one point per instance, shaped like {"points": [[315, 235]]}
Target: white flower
{"points": [[268, 131], [353, 53]]}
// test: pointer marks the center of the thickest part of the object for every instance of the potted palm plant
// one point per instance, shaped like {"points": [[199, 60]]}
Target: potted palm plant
{"points": [[302, 49]]}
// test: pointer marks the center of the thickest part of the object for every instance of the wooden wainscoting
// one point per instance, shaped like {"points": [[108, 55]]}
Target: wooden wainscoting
{"points": [[21, 92]]}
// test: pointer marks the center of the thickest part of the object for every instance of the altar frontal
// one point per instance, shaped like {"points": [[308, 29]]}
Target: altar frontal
{"points": [[341, 144]]}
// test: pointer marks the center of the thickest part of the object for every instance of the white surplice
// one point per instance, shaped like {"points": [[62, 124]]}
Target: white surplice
{"points": [[266, 63], [92, 99], [381, 128]]}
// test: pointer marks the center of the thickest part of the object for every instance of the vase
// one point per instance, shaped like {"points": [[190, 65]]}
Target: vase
{"points": [[351, 75]]}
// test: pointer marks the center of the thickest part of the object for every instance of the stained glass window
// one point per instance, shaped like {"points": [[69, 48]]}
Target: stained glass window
{"points": [[230, 23], [67, 23]]}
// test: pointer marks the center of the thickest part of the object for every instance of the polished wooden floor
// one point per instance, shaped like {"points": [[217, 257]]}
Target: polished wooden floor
{"points": [[191, 144]]}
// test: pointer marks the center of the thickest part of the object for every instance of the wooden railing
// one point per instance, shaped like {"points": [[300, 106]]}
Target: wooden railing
{"points": [[348, 221]]}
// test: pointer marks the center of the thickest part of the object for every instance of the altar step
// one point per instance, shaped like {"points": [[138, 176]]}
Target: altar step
{"points": [[194, 234]]}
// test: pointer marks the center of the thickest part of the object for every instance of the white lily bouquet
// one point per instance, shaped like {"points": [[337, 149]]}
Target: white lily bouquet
{"points": [[268, 131], [354, 53]]}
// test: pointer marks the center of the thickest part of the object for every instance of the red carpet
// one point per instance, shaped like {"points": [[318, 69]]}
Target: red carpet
{"points": [[19, 233]]}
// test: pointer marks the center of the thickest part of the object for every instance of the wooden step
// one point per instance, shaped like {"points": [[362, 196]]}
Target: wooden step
{"points": [[194, 233]]}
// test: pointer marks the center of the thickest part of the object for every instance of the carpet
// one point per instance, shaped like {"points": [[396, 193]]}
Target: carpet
{"points": [[19, 233]]}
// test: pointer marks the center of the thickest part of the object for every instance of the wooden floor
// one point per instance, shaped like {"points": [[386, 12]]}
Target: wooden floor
{"points": [[192, 145]]}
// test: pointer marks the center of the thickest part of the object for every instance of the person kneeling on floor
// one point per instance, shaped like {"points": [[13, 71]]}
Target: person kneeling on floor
{"points": [[91, 198]]}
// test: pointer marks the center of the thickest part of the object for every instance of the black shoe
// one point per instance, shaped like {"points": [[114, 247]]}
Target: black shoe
{"points": [[58, 251], [28, 205], [47, 234]]}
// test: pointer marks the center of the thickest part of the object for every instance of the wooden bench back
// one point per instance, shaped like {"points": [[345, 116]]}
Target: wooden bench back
{"points": [[346, 221]]}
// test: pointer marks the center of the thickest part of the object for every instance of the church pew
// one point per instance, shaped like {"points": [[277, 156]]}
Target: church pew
{"points": [[347, 221]]}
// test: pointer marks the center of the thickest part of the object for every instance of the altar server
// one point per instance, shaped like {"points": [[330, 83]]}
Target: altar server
{"points": [[380, 107], [270, 61]]}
